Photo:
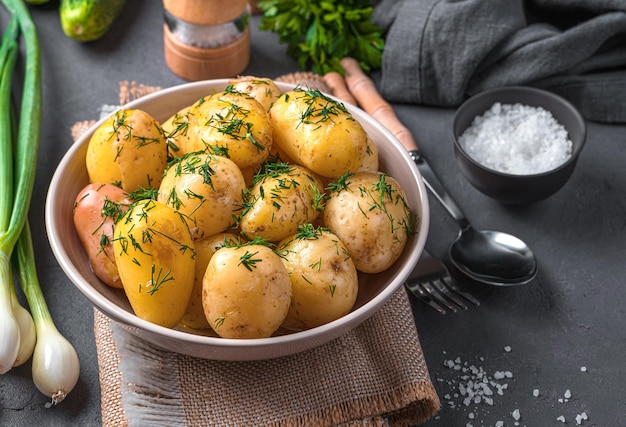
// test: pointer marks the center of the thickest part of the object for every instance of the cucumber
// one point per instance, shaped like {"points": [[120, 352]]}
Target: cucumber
{"points": [[88, 20]]}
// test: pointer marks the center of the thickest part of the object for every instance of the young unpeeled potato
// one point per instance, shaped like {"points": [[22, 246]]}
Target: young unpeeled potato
{"points": [[323, 278], [370, 161], [370, 214], [155, 258], [246, 292], [206, 189], [128, 150], [175, 129], [230, 123], [262, 89], [318, 132], [96, 209], [282, 198], [194, 317]]}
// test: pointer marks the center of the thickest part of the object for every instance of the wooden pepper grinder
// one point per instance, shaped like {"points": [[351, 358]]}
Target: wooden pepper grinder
{"points": [[206, 39]]}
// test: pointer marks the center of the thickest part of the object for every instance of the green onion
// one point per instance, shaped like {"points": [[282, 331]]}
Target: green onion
{"points": [[28, 333], [55, 366], [9, 328]]}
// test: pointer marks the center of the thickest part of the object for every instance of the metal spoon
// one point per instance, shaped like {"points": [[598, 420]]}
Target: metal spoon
{"points": [[489, 257]]}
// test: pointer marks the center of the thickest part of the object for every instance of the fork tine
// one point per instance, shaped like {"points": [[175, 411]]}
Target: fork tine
{"points": [[431, 282], [442, 287], [451, 284], [433, 291], [420, 294]]}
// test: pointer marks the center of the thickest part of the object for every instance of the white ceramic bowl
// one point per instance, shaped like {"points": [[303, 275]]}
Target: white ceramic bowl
{"points": [[71, 176]]}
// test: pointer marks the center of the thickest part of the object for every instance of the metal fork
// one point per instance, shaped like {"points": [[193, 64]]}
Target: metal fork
{"points": [[432, 284]]}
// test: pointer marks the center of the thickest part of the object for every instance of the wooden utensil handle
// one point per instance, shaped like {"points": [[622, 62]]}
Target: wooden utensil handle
{"points": [[338, 88], [364, 91]]}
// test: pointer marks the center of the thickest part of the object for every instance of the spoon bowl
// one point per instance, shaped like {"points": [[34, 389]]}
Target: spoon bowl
{"points": [[493, 257]]}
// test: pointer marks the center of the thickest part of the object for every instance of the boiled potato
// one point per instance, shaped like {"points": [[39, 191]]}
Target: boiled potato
{"points": [[128, 150], [246, 292], [232, 124], [96, 209], [318, 132], [155, 254], [282, 198], [262, 89], [369, 213], [194, 317], [370, 161], [206, 189], [323, 277], [175, 129]]}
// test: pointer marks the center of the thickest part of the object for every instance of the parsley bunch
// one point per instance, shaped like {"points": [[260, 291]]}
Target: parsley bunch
{"points": [[319, 33]]}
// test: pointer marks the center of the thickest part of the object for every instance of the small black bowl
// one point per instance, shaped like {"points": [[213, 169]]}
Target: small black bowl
{"points": [[518, 189]]}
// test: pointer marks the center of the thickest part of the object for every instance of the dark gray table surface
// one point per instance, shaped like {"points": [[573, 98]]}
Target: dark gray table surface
{"points": [[563, 332]]}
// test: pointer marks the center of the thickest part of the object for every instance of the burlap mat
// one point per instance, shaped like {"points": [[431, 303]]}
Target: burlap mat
{"points": [[375, 375]]}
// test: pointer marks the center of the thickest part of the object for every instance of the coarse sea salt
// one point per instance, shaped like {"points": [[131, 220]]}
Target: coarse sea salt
{"points": [[517, 139]]}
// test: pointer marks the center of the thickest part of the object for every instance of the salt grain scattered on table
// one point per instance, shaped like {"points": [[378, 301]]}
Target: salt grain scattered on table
{"points": [[516, 415], [476, 392], [580, 418], [517, 139]]}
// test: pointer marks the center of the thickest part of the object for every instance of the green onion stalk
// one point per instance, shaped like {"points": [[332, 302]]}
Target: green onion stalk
{"points": [[9, 328], [55, 366]]}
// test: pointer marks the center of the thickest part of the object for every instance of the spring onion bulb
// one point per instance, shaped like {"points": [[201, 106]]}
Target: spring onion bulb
{"points": [[9, 329], [28, 333], [9, 336], [55, 364], [56, 367]]}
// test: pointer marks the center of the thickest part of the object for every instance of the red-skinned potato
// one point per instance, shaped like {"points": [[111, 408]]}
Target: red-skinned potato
{"points": [[96, 208]]}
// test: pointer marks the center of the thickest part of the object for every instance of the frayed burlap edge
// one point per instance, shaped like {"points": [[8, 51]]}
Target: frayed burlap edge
{"points": [[109, 373]]}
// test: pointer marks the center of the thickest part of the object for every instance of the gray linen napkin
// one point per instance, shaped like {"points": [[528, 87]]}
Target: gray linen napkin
{"points": [[439, 52]]}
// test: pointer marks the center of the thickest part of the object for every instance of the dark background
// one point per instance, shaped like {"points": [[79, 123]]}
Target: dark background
{"points": [[571, 317]]}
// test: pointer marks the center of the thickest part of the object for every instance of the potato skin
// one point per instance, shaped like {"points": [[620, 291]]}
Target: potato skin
{"points": [[282, 198], [207, 189], [323, 277], [230, 123], [175, 129], [369, 213], [318, 132], [370, 161], [127, 139], [96, 208], [194, 317], [246, 292], [262, 89], [155, 254]]}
